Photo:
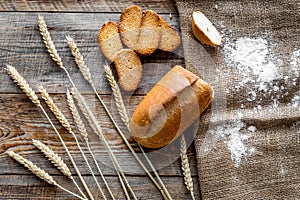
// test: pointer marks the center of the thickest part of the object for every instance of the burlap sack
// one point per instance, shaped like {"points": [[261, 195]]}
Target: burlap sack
{"points": [[248, 142]]}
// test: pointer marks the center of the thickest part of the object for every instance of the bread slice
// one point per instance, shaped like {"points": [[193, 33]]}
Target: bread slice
{"points": [[109, 40], [170, 39], [129, 69], [204, 30], [150, 33], [170, 107], [130, 23]]}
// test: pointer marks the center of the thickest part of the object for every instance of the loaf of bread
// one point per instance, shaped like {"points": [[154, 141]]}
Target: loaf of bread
{"points": [[109, 40], [170, 107], [129, 69]]}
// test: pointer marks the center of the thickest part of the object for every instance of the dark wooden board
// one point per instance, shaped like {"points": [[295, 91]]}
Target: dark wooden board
{"points": [[20, 121], [22, 47], [29, 187], [161, 6]]}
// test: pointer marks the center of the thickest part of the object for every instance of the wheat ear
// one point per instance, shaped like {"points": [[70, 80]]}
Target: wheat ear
{"points": [[117, 95], [48, 41], [39, 172], [186, 167], [85, 70], [56, 160], [97, 129], [21, 82], [124, 117], [53, 157], [82, 130], [62, 119], [58, 114], [87, 75]]}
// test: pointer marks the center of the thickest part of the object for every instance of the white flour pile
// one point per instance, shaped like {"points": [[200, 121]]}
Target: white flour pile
{"points": [[235, 136], [260, 70], [257, 67], [251, 58]]}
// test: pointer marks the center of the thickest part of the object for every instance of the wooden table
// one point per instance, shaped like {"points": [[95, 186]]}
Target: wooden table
{"points": [[20, 121]]}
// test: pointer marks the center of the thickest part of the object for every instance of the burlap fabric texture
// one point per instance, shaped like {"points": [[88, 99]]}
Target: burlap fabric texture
{"points": [[248, 141]]}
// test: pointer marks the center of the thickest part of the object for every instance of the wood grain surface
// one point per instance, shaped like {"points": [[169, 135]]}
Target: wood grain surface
{"points": [[22, 47], [161, 6], [20, 121]]}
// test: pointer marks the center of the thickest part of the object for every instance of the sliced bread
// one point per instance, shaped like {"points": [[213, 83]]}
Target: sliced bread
{"points": [[109, 40], [170, 39], [204, 30], [129, 69], [150, 33], [130, 23]]}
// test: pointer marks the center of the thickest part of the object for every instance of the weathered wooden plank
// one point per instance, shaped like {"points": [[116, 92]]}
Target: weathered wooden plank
{"points": [[161, 6], [29, 187], [21, 46], [21, 121]]}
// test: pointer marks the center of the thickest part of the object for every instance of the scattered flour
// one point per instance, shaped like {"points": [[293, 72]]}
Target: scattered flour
{"points": [[295, 101], [294, 73], [260, 71], [235, 136], [295, 62], [282, 171]]}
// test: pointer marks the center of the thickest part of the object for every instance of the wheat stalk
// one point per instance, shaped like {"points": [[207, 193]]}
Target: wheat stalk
{"points": [[39, 172], [53, 157], [76, 116], [33, 168], [21, 82], [58, 114], [54, 55], [56, 160], [82, 130], [85, 70], [186, 167], [86, 74], [124, 117], [62, 119], [97, 129], [83, 110], [48, 41], [117, 95]]}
